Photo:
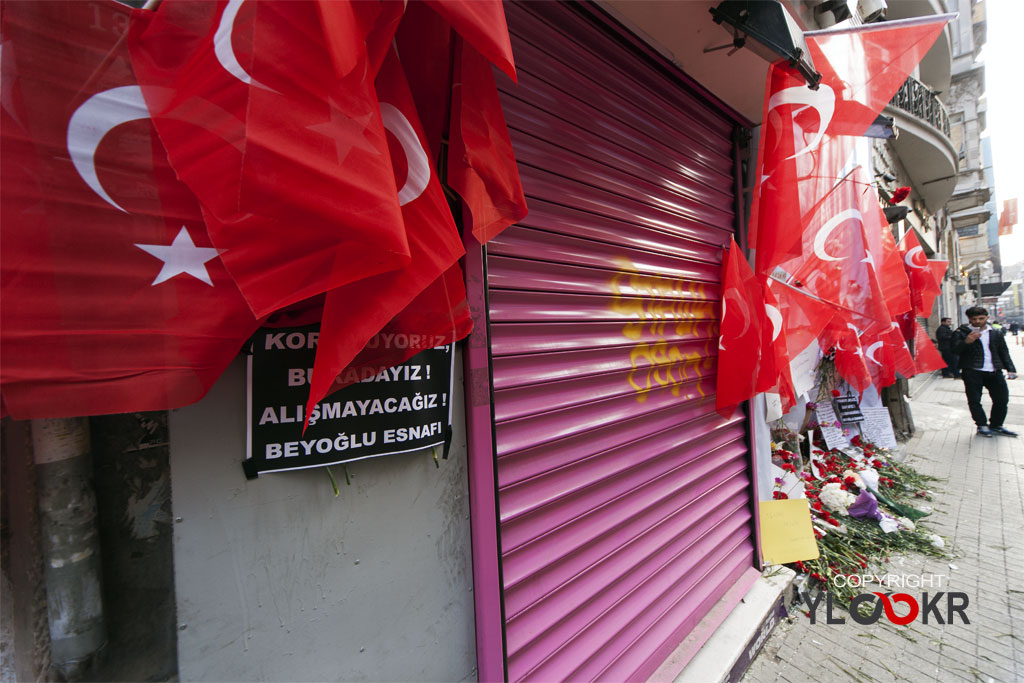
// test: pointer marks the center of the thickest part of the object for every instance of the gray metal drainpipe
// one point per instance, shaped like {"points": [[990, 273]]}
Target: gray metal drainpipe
{"points": [[70, 539]]}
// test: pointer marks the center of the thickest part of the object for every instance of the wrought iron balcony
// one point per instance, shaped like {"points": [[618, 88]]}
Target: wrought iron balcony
{"points": [[917, 99]]}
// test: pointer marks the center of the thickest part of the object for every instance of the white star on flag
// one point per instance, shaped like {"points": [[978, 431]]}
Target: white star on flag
{"points": [[341, 129], [181, 257]]}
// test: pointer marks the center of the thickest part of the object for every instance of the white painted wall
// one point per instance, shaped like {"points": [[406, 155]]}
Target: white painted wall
{"points": [[278, 580]]}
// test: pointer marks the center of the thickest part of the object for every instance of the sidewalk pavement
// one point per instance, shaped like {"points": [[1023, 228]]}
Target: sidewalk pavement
{"points": [[979, 508]]}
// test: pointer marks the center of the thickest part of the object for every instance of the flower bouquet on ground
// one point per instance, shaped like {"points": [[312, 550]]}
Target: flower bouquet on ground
{"points": [[862, 513]]}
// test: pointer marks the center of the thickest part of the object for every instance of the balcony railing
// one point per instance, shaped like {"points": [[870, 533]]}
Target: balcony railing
{"points": [[915, 98]]}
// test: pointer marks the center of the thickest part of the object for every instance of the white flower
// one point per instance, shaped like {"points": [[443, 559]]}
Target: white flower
{"points": [[937, 541], [856, 478], [835, 498], [889, 524], [906, 523], [870, 478]]}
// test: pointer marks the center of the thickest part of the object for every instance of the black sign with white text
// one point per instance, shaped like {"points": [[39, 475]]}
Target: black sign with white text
{"points": [[847, 409], [388, 411]]}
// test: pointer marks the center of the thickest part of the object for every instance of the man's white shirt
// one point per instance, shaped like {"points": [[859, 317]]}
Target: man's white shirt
{"points": [[987, 365]]}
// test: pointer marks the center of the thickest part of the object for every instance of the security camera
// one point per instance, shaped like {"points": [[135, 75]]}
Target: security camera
{"points": [[871, 10]]}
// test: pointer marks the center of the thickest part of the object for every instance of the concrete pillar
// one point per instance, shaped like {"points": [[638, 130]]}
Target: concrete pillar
{"points": [[71, 550]]}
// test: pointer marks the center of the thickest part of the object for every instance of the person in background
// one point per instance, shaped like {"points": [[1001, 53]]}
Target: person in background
{"points": [[983, 357], [1015, 327], [943, 338]]}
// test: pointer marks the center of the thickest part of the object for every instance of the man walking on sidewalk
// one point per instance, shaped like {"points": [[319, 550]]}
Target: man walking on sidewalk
{"points": [[983, 357], [944, 336]]}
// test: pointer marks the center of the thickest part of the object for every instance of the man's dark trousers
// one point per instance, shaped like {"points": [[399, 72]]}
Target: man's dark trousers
{"points": [[974, 382], [952, 368]]}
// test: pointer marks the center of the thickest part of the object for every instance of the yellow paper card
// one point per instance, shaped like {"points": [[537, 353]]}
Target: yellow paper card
{"points": [[786, 531]]}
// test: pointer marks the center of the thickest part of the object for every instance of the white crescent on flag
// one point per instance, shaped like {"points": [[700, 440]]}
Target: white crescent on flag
{"points": [[775, 316], [911, 258], [823, 233], [822, 100], [418, 176], [93, 119], [870, 353], [223, 49]]}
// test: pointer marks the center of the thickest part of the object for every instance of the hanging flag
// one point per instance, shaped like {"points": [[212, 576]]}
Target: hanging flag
{"points": [[923, 286], [456, 97], [865, 65], [903, 361], [926, 356], [794, 172], [481, 163], [938, 269], [114, 299], [482, 24], [740, 339], [892, 276], [879, 358], [837, 264], [262, 140], [843, 339], [1008, 217], [862, 68], [354, 313]]}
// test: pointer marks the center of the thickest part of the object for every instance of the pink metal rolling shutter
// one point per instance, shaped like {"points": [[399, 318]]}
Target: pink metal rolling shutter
{"points": [[624, 499]]}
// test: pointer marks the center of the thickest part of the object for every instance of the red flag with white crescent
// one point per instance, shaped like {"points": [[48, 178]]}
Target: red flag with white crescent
{"points": [[263, 140], [114, 298], [861, 69], [879, 358], [354, 313], [844, 339], [740, 338], [838, 263], [923, 286], [926, 356]]}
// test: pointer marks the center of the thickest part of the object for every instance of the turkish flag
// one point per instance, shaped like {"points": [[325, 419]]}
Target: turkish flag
{"points": [[740, 332], [879, 357], [938, 268], [865, 65], [354, 313], [923, 287], [842, 338], [926, 356], [850, 362], [861, 68], [903, 361], [1008, 217], [263, 141], [794, 170], [114, 299], [892, 276], [837, 263], [453, 85], [482, 24], [481, 163]]}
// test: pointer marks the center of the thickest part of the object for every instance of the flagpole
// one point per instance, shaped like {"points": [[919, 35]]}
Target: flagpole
{"points": [[896, 23]]}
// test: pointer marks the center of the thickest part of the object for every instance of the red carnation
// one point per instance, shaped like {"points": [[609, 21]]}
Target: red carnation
{"points": [[835, 392], [899, 194], [849, 480]]}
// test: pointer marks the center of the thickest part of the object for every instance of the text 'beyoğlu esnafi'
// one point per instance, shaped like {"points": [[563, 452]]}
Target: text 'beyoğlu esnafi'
{"points": [[383, 411]]}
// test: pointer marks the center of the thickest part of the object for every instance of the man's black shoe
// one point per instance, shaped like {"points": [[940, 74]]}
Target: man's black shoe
{"points": [[1002, 430], [986, 432]]}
